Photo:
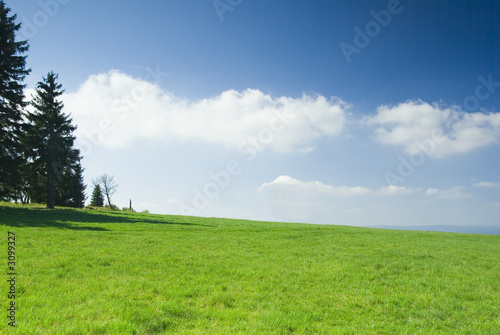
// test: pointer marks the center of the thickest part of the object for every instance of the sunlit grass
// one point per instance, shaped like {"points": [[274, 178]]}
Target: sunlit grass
{"points": [[95, 272]]}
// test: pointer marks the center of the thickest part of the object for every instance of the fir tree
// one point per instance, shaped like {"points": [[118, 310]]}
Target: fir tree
{"points": [[71, 188], [54, 164], [12, 73], [97, 197]]}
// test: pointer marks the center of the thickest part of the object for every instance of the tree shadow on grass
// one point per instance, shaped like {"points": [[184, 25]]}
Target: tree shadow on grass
{"points": [[70, 218]]}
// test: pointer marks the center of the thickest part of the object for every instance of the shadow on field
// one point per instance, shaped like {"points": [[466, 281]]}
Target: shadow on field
{"points": [[68, 218]]}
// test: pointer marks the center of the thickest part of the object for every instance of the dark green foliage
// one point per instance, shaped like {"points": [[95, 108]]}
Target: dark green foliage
{"points": [[97, 197], [37, 160], [71, 190], [54, 168], [12, 73]]}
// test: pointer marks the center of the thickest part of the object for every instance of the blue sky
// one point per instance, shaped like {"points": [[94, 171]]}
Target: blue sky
{"points": [[339, 112]]}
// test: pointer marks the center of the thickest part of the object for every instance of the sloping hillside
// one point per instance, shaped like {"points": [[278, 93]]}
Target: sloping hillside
{"points": [[100, 272]]}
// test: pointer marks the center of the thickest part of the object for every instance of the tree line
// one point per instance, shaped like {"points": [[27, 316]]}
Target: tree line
{"points": [[38, 160]]}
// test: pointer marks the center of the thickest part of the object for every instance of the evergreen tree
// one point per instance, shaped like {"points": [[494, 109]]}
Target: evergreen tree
{"points": [[71, 188], [12, 73], [97, 197], [55, 172]]}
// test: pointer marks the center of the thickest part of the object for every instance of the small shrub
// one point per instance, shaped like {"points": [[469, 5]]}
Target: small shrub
{"points": [[112, 207], [127, 209]]}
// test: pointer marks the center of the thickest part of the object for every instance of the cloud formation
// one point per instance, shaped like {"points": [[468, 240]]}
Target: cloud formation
{"points": [[455, 192], [486, 184], [114, 109], [288, 184], [395, 190], [439, 131], [291, 186], [291, 199]]}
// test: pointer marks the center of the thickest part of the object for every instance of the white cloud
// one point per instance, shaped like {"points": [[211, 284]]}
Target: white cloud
{"points": [[289, 185], [432, 191], [455, 192], [114, 109], [486, 184], [438, 131], [291, 199], [395, 190]]}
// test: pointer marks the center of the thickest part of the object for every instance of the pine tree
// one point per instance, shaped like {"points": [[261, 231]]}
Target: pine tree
{"points": [[71, 188], [12, 73], [97, 197], [54, 164]]}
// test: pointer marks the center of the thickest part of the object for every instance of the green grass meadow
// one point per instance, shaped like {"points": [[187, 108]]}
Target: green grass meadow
{"points": [[104, 272]]}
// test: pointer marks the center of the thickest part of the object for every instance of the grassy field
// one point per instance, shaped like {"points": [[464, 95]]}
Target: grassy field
{"points": [[102, 272]]}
